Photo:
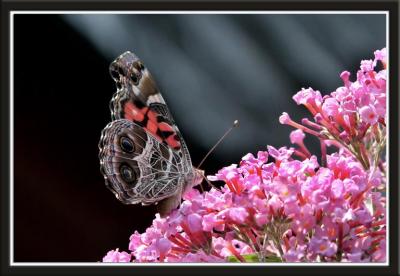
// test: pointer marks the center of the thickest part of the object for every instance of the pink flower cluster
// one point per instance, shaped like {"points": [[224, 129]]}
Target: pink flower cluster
{"points": [[352, 117], [283, 204]]}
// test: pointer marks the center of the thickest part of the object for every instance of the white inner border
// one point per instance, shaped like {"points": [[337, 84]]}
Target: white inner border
{"points": [[53, 264]]}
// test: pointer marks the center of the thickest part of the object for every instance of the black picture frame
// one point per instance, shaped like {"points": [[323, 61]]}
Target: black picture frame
{"points": [[391, 6]]}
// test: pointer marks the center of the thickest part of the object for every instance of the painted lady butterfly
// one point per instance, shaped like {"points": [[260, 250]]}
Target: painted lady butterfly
{"points": [[143, 156]]}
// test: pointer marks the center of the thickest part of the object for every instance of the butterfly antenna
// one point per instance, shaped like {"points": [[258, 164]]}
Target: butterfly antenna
{"points": [[235, 124]]}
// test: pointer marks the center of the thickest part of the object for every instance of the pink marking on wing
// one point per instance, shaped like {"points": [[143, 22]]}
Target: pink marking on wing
{"points": [[134, 113], [172, 142], [151, 127], [152, 116], [165, 127]]}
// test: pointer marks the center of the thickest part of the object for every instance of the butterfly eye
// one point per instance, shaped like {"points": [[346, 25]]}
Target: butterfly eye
{"points": [[127, 144], [134, 77], [127, 173]]}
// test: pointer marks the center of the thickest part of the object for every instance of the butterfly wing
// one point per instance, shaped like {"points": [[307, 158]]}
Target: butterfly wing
{"points": [[158, 166], [138, 99], [136, 166]]}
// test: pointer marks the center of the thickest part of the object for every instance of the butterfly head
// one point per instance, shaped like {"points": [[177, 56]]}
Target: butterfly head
{"points": [[194, 178], [198, 176]]}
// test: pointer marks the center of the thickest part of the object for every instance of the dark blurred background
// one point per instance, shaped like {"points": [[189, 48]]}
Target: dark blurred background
{"points": [[212, 69]]}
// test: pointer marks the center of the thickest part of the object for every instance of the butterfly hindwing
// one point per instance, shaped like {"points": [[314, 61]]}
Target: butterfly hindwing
{"points": [[136, 166]]}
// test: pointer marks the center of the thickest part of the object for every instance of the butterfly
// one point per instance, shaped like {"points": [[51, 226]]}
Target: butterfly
{"points": [[143, 156]]}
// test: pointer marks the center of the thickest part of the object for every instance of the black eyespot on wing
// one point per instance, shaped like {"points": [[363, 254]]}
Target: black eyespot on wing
{"points": [[134, 78], [126, 144], [127, 173], [114, 74], [120, 71], [140, 66], [116, 71]]}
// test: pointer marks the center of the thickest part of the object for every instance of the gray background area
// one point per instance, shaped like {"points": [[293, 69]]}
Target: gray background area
{"points": [[213, 69]]}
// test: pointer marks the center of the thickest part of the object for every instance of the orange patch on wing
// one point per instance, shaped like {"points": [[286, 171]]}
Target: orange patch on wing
{"points": [[172, 142], [134, 113], [152, 127], [165, 127], [152, 116]]}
